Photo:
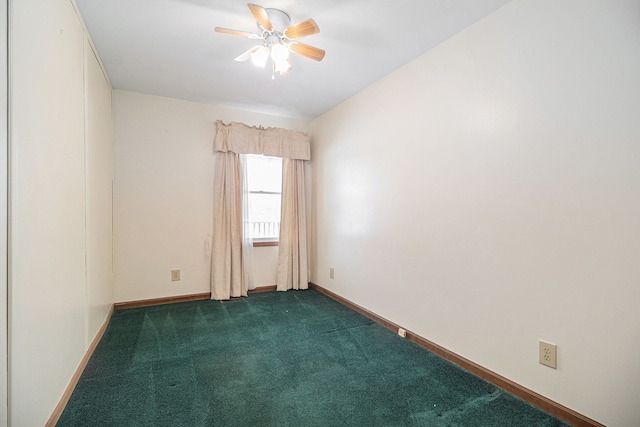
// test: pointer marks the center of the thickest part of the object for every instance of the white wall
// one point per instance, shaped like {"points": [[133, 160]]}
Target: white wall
{"points": [[487, 195], [164, 167], [50, 300]]}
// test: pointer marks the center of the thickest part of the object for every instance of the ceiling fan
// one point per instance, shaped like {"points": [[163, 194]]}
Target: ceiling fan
{"points": [[278, 38]]}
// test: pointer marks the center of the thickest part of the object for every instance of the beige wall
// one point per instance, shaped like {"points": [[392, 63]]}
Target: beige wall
{"points": [[163, 218], [3, 212], [487, 195], [99, 192], [265, 265], [56, 305]]}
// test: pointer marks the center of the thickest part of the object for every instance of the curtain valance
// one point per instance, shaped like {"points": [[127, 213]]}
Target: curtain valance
{"points": [[242, 139]]}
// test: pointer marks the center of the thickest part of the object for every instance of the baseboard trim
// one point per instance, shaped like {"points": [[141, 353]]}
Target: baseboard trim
{"points": [[161, 301], [180, 298], [261, 289], [57, 412], [566, 414]]}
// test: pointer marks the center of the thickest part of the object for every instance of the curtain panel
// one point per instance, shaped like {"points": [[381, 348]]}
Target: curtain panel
{"points": [[227, 257], [292, 250]]}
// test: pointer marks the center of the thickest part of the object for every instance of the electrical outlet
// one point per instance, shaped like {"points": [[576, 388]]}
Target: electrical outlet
{"points": [[402, 332], [175, 275], [331, 272], [547, 354]]}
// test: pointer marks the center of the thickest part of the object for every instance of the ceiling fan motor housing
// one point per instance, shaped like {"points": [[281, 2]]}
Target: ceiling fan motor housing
{"points": [[279, 20]]}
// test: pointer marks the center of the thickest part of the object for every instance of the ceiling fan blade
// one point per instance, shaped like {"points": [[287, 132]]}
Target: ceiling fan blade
{"points": [[308, 51], [301, 29], [246, 55], [237, 33], [261, 16]]}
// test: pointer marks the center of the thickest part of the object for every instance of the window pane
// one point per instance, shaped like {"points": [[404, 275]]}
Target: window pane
{"points": [[264, 173], [265, 215], [264, 181]]}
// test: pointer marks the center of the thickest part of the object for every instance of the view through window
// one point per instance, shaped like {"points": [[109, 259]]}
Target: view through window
{"points": [[264, 182]]}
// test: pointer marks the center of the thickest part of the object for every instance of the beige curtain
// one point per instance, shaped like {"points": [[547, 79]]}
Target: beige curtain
{"points": [[230, 262], [227, 264], [292, 251]]}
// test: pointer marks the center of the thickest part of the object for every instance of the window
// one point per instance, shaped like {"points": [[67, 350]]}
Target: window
{"points": [[264, 183]]}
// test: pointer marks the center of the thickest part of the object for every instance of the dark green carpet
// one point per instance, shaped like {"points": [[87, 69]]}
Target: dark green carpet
{"points": [[277, 359]]}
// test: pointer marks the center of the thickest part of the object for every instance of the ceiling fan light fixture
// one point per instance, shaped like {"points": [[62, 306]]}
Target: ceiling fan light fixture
{"points": [[283, 66], [279, 52], [245, 56], [259, 56], [280, 57]]}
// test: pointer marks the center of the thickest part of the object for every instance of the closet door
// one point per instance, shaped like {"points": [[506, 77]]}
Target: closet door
{"points": [[47, 212]]}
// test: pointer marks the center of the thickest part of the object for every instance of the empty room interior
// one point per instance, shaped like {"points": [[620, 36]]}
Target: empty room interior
{"points": [[473, 178]]}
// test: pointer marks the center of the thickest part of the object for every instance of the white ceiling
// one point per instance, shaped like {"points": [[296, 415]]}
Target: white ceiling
{"points": [[169, 47]]}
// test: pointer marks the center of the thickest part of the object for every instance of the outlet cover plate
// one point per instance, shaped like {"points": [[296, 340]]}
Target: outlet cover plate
{"points": [[548, 354], [175, 275]]}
